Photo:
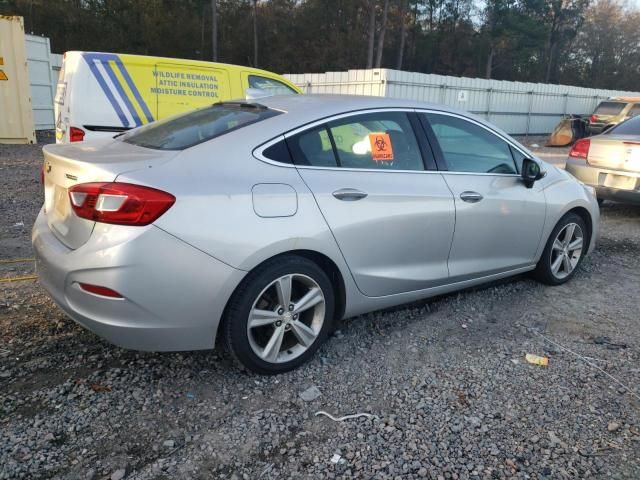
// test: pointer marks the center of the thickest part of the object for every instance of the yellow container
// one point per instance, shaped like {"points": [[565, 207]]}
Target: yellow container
{"points": [[537, 360], [16, 117]]}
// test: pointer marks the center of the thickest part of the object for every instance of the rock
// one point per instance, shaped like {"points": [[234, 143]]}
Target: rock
{"points": [[119, 474], [613, 426], [168, 443], [555, 440], [310, 394]]}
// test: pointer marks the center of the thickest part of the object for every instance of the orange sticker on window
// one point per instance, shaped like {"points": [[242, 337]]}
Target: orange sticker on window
{"points": [[381, 148]]}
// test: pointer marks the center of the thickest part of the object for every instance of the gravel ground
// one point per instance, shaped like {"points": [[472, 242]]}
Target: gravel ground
{"points": [[446, 381]]}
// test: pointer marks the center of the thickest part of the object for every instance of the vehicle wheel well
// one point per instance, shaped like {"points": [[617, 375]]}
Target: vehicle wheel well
{"points": [[586, 216], [325, 263]]}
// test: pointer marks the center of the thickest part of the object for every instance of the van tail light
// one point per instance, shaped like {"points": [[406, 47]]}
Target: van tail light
{"points": [[593, 119], [76, 134], [580, 149], [42, 175], [119, 203]]}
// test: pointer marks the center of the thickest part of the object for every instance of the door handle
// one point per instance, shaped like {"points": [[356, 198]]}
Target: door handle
{"points": [[349, 194], [471, 197]]}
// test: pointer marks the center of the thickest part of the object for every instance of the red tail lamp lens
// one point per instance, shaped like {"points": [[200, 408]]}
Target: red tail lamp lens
{"points": [[580, 149], [119, 203], [76, 134], [98, 290]]}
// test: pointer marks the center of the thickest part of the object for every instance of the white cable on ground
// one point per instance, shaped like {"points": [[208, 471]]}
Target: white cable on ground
{"points": [[346, 417]]}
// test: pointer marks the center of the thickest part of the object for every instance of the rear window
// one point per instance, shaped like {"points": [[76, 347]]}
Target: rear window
{"points": [[609, 108], [630, 127], [189, 129]]}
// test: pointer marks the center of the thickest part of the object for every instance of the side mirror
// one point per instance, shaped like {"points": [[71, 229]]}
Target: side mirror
{"points": [[531, 172]]}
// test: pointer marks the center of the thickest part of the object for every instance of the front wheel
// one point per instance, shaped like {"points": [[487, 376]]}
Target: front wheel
{"points": [[564, 251], [280, 315]]}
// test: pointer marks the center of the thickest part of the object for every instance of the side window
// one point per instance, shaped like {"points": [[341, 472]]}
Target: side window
{"points": [[312, 147], [382, 140], [278, 152], [635, 110], [271, 85], [468, 147]]}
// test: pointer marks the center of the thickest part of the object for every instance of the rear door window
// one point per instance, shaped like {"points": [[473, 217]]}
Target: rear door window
{"points": [[189, 129], [381, 140], [312, 147], [373, 141], [609, 108]]}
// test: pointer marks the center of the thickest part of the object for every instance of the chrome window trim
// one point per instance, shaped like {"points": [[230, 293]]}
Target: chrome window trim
{"points": [[258, 151]]}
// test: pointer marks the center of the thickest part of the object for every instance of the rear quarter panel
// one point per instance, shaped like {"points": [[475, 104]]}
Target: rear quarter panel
{"points": [[214, 184]]}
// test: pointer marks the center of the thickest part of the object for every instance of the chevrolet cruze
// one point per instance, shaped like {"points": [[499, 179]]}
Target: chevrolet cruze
{"points": [[262, 224]]}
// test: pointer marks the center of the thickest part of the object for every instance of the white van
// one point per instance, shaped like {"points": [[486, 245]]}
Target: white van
{"points": [[102, 94]]}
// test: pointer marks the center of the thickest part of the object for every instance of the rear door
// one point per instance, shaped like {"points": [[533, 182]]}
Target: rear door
{"points": [[183, 87], [498, 220], [392, 218]]}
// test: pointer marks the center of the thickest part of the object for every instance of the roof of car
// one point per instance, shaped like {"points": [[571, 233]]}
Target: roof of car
{"points": [[304, 109], [319, 106]]}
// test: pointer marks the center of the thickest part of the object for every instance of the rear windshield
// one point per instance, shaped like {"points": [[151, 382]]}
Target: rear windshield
{"points": [[630, 127], [609, 108], [189, 129]]}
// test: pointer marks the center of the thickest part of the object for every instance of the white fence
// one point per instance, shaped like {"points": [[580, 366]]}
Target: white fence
{"points": [[516, 107], [43, 76]]}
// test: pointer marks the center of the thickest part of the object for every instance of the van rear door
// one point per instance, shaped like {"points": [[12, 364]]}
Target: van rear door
{"points": [[181, 87]]}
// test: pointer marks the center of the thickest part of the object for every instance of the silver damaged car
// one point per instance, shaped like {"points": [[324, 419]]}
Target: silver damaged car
{"points": [[262, 224]]}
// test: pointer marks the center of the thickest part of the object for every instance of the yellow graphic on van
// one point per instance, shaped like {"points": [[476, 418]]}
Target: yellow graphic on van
{"points": [[3, 76], [140, 89], [119, 88]]}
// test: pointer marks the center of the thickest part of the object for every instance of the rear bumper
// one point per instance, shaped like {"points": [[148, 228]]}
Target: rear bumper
{"points": [[595, 177], [174, 295]]}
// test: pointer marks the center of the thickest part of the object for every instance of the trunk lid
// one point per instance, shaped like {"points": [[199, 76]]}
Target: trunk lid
{"points": [[97, 161], [616, 152]]}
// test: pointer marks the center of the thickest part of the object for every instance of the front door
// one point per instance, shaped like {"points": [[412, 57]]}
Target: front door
{"points": [[392, 219], [498, 220]]}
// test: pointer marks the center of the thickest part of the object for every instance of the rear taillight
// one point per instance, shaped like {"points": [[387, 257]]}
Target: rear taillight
{"points": [[593, 119], [580, 149], [119, 203], [99, 290], [76, 134]]}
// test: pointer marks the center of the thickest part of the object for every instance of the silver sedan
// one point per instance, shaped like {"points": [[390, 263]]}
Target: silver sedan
{"points": [[263, 224]]}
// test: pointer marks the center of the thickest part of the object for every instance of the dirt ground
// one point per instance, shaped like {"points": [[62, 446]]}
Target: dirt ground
{"points": [[445, 380]]}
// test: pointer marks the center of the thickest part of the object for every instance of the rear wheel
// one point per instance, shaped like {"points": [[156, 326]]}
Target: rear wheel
{"points": [[564, 251], [279, 315]]}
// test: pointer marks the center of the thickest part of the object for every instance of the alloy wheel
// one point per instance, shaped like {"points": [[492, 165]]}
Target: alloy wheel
{"points": [[286, 318], [566, 250]]}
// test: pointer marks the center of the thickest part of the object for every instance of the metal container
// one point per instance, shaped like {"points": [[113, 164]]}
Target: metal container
{"points": [[16, 117]]}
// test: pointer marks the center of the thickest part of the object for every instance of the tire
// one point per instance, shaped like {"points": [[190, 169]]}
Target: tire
{"points": [[281, 338], [548, 271]]}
